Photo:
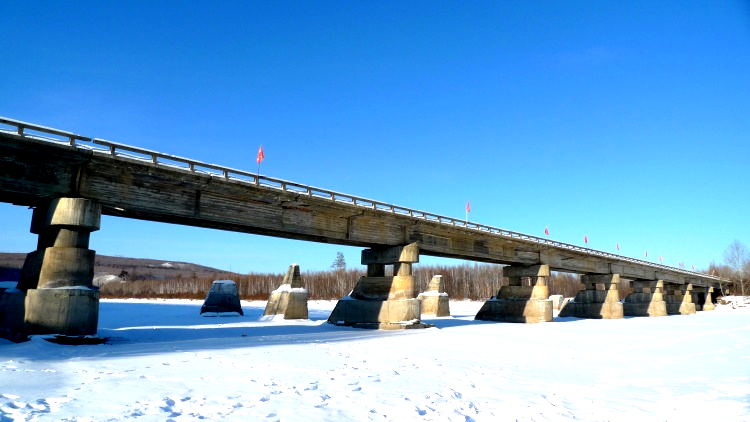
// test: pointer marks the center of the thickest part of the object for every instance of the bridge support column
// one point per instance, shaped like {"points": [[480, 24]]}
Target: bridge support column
{"points": [[517, 302], [647, 299], [58, 276], [598, 298], [703, 298], [383, 302], [679, 299]]}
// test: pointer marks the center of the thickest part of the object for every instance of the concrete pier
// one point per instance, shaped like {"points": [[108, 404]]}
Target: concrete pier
{"points": [[435, 299], [518, 302], [290, 299], [222, 299], [57, 277], [647, 299], [706, 298], [599, 298], [380, 301], [679, 299]]}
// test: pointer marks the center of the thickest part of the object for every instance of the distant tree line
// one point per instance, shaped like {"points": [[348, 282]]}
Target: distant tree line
{"points": [[472, 281], [465, 281]]}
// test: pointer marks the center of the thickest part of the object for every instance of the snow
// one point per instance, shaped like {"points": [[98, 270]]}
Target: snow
{"points": [[433, 293], [163, 361], [104, 279], [288, 288]]}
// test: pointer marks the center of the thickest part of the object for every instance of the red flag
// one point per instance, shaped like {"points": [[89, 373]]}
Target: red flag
{"points": [[585, 239], [660, 259], [646, 253], [260, 154], [618, 246], [468, 206], [546, 230], [693, 267]]}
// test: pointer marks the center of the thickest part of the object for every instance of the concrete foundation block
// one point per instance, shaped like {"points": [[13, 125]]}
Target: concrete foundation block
{"points": [[70, 312], [518, 310], [385, 288], [435, 300], [63, 267], [601, 310], [290, 299], [437, 305], [353, 312], [12, 314], [680, 308], [291, 304], [650, 309], [222, 298]]}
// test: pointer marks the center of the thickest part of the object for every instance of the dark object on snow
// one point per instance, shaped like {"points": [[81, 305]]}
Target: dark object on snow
{"points": [[222, 298]]}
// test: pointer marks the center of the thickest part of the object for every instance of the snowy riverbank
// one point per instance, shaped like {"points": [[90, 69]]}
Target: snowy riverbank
{"points": [[165, 362]]}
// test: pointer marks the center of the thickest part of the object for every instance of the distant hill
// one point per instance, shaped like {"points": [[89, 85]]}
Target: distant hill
{"points": [[114, 268]]}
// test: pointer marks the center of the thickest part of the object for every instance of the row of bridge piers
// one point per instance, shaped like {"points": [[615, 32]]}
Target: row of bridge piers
{"points": [[387, 302], [57, 296]]}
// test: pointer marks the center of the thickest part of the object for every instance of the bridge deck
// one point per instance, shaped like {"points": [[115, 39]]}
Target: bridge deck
{"points": [[41, 163]]}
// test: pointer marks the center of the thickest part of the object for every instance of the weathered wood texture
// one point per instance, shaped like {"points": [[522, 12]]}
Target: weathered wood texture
{"points": [[32, 172]]}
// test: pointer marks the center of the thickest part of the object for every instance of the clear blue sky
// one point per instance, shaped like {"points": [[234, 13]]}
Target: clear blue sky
{"points": [[625, 121]]}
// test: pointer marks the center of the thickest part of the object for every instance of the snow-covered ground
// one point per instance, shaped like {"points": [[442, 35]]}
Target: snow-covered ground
{"points": [[165, 362]]}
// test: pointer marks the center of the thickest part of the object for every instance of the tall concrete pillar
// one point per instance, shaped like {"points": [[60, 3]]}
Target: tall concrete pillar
{"points": [[647, 299], [379, 301], [599, 298], [517, 302], [679, 299], [58, 276]]}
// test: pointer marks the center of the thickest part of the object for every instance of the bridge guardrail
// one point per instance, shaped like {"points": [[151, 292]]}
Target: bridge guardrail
{"points": [[115, 150]]}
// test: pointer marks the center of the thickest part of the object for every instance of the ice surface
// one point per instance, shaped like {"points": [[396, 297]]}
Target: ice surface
{"points": [[163, 361]]}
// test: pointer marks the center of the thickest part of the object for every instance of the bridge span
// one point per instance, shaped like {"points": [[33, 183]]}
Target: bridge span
{"points": [[70, 180]]}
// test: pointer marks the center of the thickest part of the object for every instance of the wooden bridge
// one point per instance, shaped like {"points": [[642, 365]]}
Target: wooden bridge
{"points": [[51, 169]]}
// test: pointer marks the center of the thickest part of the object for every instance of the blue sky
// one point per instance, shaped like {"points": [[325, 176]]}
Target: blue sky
{"points": [[628, 122]]}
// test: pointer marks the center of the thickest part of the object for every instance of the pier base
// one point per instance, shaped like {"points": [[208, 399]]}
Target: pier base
{"points": [[290, 299], [57, 277], [379, 301], [598, 299], [646, 300], [435, 299], [517, 302], [679, 299], [707, 302]]}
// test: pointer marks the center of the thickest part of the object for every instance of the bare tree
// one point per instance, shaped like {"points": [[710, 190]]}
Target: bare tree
{"points": [[738, 260], [339, 264]]}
